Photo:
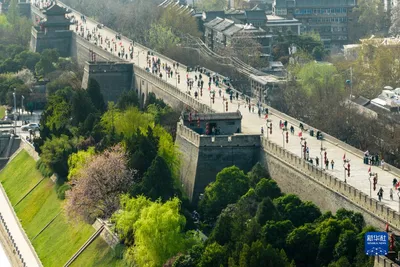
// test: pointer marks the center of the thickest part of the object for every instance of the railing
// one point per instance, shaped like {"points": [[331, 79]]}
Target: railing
{"points": [[18, 253]]}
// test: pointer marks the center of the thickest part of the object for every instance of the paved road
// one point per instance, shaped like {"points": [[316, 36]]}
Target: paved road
{"points": [[252, 123]]}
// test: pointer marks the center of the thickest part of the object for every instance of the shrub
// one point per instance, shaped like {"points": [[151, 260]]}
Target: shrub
{"points": [[43, 169], [61, 191]]}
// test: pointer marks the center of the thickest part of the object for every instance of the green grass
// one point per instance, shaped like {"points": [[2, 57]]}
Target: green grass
{"points": [[46, 207], [2, 112], [57, 243], [19, 176], [98, 254]]}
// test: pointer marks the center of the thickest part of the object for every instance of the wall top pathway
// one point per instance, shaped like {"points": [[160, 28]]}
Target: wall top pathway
{"points": [[252, 123]]}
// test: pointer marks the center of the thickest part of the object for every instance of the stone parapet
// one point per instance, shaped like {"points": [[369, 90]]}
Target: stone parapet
{"points": [[370, 207]]}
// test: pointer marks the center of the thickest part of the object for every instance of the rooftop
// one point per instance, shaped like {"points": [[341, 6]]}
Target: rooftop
{"points": [[317, 3], [213, 116]]}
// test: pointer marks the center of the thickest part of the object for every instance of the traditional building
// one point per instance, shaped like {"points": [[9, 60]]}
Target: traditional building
{"points": [[330, 18], [222, 33], [53, 32]]}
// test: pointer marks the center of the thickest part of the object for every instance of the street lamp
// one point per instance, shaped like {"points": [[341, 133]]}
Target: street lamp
{"points": [[303, 151], [269, 127], [398, 194], [346, 168], [283, 136], [15, 113], [322, 161], [22, 103], [371, 174]]}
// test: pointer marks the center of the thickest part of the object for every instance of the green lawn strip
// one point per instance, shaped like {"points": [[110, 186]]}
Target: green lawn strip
{"points": [[98, 254], [2, 112], [19, 176], [38, 208], [58, 243]]}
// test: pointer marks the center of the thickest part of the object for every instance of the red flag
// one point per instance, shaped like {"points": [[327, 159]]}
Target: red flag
{"points": [[397, 185], [369, 170], [344, 156], [300, 134]]}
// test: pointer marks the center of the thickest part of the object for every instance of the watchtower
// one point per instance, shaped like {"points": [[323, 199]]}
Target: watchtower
{"points": [[53, 31]]}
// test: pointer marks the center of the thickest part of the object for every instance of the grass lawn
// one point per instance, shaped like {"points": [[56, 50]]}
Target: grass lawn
{"points": [[98, 254], [19, 176], [2, 112], [57, 243], [47, 205]]}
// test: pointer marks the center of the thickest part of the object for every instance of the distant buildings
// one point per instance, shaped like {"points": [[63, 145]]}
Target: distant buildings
{"points": [[330, 18], [222, 27]]}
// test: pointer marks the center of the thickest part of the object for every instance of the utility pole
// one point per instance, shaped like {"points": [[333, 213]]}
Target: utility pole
{"points": [[351, 82]]}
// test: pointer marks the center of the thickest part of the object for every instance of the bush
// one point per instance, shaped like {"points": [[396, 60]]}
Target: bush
{"points": [[43, 169], [61, 191], [118, 251]]}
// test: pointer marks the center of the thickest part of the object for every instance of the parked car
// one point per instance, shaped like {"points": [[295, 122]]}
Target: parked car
{"points": [[30, 126]]}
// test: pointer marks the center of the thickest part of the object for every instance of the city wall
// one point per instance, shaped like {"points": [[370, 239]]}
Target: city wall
{"points": [[296, 176], [202, 157]]}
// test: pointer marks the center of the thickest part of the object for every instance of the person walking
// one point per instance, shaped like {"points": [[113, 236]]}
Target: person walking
{"points": [[394, 182], [327, 164], [383, 164], [317, 161], [380, 194], [332, 164], [391, 193], [262, 131]]}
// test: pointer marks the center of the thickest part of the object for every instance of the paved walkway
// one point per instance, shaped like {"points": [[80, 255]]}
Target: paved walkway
{"points": [[18, 234], [252, 123]]}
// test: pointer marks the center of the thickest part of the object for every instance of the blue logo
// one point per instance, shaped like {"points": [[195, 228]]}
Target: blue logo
{"points": [[376, 243]]}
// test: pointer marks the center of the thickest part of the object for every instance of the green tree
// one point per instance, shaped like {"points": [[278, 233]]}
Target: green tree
{"points": [[81, 106], [256, 174], [298, 212], [13, 12], [128, 99], [267, 188], [213, 255], [162, 38], [230, 184], [55, 153], [157, 228], [346, 246], [267, 211], [302, 245], [276, 232], [77, 161], [28, 59], [157, 181], [95, 95]]}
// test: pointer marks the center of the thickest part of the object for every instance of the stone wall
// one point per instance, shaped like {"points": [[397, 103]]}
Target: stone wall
{"points": [[80, 50], [202, 157], [61, 40], [381, 261], [113, 78], [296, 176]]}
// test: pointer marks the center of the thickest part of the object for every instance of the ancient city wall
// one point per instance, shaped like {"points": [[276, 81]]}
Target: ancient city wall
{"points": [[294, 175], [202, 157]]}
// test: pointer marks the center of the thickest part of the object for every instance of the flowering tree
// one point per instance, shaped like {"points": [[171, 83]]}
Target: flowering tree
{"points": [[97, 186]]}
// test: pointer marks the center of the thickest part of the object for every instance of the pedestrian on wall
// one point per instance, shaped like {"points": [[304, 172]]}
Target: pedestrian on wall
{"points": [[332, 164], [383, 164], [394, 182], [327, 164], [317, 161], [391, 193], [380, 194]]}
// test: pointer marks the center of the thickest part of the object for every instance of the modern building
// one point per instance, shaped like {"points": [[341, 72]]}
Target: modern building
{"points": [[329, 18]]}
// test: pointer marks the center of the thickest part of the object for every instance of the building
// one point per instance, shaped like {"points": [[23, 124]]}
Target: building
{"points": [[262, 87], [213, 123], [330, 18], [53, 32], [222, 33], [280, 25]]}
